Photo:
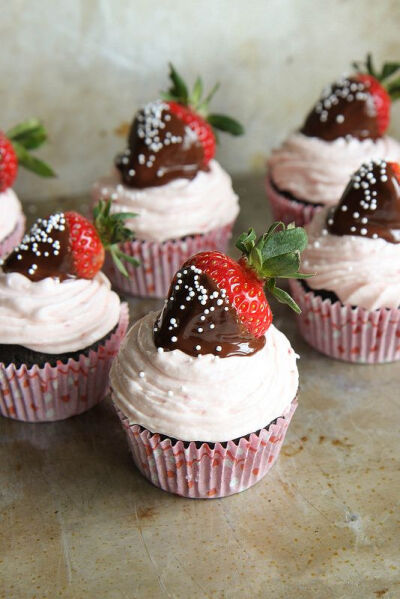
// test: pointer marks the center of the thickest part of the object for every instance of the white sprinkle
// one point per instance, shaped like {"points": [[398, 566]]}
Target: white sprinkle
{"points": [[174, 339], [160, 350], [218, 348], [141, 374], [198, 347], [199, 330]]}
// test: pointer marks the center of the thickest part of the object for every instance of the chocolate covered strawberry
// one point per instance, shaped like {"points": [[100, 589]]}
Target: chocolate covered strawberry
{"points": [[173, 137], [66, 244], [218, 305], [15, 146], [370, 204], [356, 106]]}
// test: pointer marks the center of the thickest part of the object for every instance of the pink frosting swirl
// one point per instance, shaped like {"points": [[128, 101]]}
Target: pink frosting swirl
{"points": [[318, 171], [178, 208], [54, 317], [361, 271], [206, 398]]}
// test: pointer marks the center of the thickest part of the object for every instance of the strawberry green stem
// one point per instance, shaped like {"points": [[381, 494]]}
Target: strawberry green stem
{"points": [[276, 254], [388, 76], [112, 233], [27, 136], [179, 92]]}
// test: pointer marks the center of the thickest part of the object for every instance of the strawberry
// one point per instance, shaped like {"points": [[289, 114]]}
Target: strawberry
{"points": [[380, 97], [193, 110], [85, 246], [218, 305], [14, 151], [67, 244], [203, 130], [357, 106], [244, 289], [8, 163]]}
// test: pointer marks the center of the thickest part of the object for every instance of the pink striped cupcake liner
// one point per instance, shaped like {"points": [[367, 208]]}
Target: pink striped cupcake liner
{"points": [[48, 393], [288, 211], [160, 261], [8, 243], [206, 472], [347, 333]]}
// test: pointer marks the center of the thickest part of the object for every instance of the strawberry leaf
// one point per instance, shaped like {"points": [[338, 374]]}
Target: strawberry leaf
{"points": [[283, 242], [276, 254], [246, 241], [112, 232], [179, 89], [30, 134], [117, 261], [370, 67], [32, 163], [197, 92], [225, 123], [282, 296], [389, 68], [280, 266]]}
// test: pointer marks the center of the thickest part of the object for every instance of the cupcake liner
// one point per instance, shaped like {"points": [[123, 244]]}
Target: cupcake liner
{"points": [[286, 210], [8, 243], [48, 393], [206, 472], [348, 333], [160, 261]]}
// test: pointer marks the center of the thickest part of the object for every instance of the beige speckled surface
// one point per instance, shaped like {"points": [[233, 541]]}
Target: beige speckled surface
{"points": [[77, 519]]}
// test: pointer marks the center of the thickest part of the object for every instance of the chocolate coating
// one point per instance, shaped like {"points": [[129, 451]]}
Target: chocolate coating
{"points": [[370, 205], [44, 251], [206, 324], [345, 108], [160, 148]]}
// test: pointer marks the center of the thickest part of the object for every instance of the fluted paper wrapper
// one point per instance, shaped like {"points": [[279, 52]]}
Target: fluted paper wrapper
{"points": [[48, 393], [347, 333], [286, 210], [8, 243], [206, 472], [160, 261]]}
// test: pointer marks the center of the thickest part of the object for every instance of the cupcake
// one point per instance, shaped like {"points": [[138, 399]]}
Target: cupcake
{"points": [[14, 151], [60, 323], [351, 307], [345, 128], [206, 389], [183, 199]]}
